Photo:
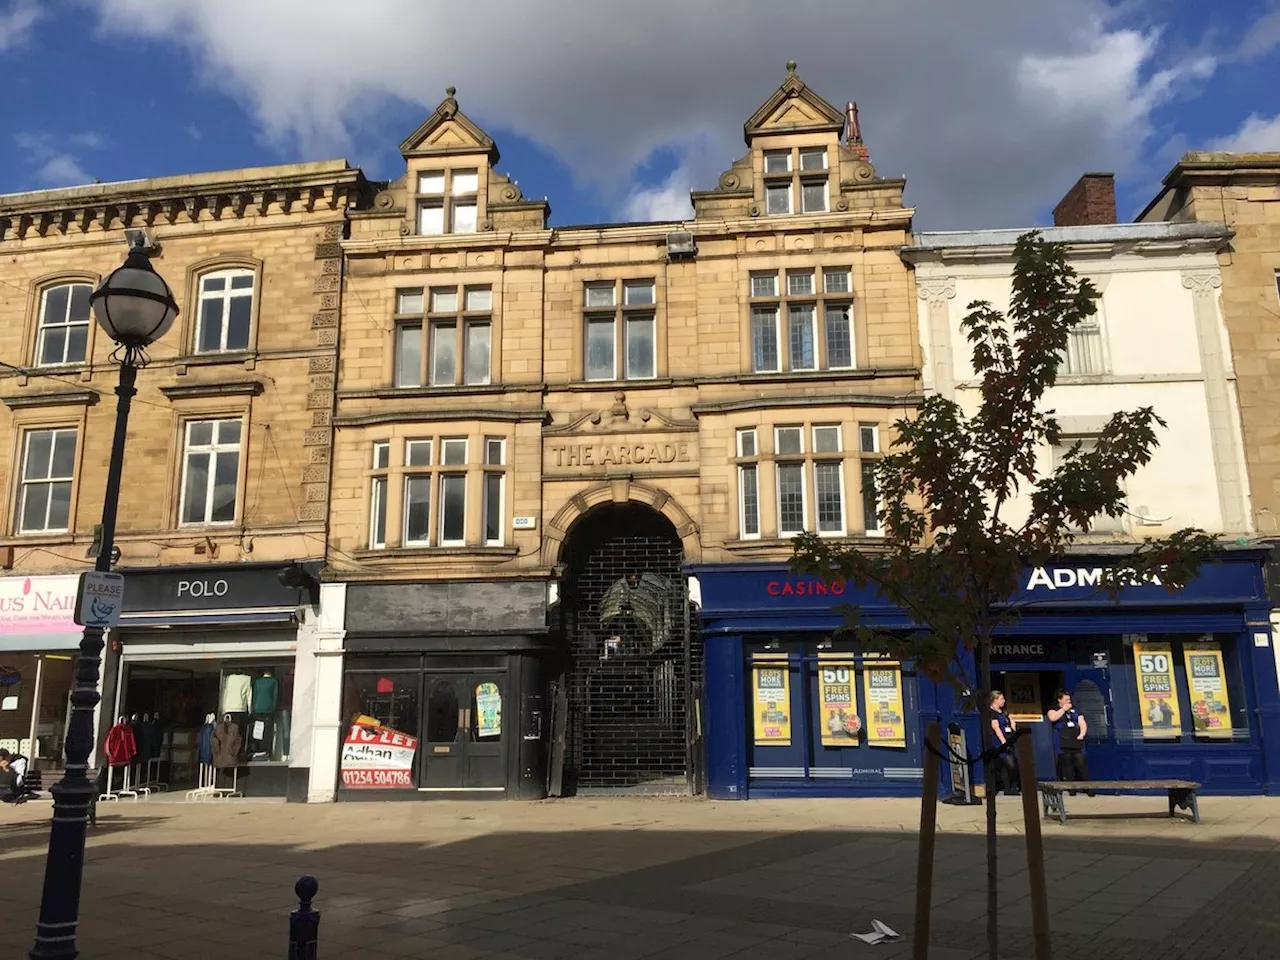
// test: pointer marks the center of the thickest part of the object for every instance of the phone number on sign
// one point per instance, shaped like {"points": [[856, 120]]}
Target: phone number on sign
{"points": [[376, 778]]}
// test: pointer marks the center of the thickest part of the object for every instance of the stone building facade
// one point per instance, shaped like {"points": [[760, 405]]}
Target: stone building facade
{"points": [[226, 471], [538, 427]]}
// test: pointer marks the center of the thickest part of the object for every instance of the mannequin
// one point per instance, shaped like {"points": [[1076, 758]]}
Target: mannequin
{"points": [[236, 689]]}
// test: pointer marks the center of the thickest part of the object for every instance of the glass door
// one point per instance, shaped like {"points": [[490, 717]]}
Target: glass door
{"points": [[463, 724]]}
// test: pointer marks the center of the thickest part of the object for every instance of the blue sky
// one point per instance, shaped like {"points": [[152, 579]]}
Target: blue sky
{"points": [[991, 108]]}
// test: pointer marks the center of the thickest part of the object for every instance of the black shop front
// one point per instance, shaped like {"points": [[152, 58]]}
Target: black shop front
{"points": [[444, 690]]}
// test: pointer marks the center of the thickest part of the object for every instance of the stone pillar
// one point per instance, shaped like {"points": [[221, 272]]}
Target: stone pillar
{"points": [[1224, 423], [935, 333], [326, 716]]}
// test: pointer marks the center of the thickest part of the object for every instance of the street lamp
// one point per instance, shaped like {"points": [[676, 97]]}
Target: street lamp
{"points": [[135, 308]]}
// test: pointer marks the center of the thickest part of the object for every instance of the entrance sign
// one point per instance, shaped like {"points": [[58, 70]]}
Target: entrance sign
{"points": [[1157, 695], [882, 689], [771, 682], [840, 723], [1210, 705], [374, 756], [99, 599]]}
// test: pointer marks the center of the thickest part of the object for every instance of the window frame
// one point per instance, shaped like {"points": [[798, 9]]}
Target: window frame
{"points": [[226, 296], [748, 463], [779, 465], [814, 306], [430, 322], [794, 179], [379, 480], [66, 325], [819, 463], [49, 481], [443, 477], [619, 317], [1093, 327], [448, 200], [214, 450]]}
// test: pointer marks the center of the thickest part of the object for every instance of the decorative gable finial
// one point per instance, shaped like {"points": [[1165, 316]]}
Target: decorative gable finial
{"points": [[791, 68], [450, 91]]}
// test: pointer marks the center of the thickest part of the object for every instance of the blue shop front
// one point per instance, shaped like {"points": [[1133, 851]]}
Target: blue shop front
{"points": [[1173, 684]]}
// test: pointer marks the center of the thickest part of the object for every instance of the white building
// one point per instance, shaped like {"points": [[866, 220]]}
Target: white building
{"points": [[1158, 339]]}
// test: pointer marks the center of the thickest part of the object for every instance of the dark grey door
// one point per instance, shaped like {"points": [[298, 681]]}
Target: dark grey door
{"points": [[463, 742]]}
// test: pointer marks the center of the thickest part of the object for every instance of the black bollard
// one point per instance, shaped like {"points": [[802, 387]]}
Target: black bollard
{"points": [[304, 923]]}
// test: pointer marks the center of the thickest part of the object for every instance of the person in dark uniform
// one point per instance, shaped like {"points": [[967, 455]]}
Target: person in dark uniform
{"points": [[1004, 769], [1070, 729], [15, 765]]}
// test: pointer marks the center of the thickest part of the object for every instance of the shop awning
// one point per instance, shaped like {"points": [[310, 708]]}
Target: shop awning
{"points": [[216, 618]]}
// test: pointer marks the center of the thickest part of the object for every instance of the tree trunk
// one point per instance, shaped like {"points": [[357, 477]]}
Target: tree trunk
{"points": [[988, 741]]}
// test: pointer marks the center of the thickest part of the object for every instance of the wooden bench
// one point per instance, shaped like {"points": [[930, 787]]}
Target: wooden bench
{"points": [[1182, 793]]}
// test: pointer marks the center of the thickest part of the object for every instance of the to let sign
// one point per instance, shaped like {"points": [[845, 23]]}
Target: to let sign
{"points": [[99, 599]]}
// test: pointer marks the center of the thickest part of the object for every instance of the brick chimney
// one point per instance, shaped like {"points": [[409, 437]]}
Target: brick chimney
{"points": [[1091, 202]]}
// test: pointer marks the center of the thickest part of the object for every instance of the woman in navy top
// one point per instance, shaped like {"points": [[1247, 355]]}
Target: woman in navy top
{"points": [[1005, 768]]}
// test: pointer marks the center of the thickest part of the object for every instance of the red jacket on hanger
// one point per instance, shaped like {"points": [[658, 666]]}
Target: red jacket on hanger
{"points": [[121, 746]]}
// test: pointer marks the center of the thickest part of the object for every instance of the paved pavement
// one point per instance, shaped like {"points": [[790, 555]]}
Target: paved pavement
{"points": [[630, 879]]}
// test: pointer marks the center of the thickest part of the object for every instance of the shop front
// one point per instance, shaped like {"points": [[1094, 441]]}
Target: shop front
{"points": [[203, 671], [39, 642], [443, 690], [1173, 685]]}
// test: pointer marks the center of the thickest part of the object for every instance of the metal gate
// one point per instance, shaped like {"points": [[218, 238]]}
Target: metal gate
{"points": [[635, 655]]}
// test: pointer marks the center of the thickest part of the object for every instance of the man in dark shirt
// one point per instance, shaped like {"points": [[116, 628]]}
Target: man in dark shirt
{"points": [[1070, 728], [15, 765]]}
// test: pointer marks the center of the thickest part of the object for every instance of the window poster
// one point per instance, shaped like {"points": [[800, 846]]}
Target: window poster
{"points": [[374, 756], [488, 710], [882, 688], [1022, 696], [1157, 695], [840, 722], [771, 682], [1207, 678]]}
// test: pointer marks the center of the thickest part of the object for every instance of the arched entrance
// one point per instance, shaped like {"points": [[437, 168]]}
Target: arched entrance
{"points": [[634, 660]]}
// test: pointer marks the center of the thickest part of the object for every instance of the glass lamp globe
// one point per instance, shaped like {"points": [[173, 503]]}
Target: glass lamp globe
{"points": [[134, 306]]}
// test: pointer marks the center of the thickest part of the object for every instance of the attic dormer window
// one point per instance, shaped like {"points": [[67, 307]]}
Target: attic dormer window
{"points": [[787, 181], [448, 197]]}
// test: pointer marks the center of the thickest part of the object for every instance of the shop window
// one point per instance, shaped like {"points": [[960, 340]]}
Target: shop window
{"points": [[1185, 685], [211, 472], [622, 343], [63, 335], [48, 473], [803, 303], [225, 311]]}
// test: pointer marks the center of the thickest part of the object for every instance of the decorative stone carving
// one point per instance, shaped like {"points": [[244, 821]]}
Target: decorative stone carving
{"points": [[330, 250], [729, 180], [320, 365], [329, 301], [312, 511], [314, 436], [404, 229], [842, 204], [754, 210], [325, 284], [324, 318], [511, 193], [619, 409], [321, 418], [863, 172], [1201, 283], [384, 201], [327, 338], [936, 289], [333, 231]]}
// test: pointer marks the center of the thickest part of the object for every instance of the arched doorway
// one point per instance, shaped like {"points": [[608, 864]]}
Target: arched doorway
{"points": [[634, 660]]}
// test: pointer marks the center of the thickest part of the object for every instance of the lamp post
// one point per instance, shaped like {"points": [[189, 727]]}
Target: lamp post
{"points": [[134, 307]]}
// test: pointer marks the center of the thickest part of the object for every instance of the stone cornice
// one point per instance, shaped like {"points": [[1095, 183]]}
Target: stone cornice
{"points": [[224, 388], [261, 191], [64, 398], [807, 400], [436, 415]]}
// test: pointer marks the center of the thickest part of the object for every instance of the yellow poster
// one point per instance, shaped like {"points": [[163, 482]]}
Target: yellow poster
{"points": [[772, 682], [1157, 694], [882, 689], [1210, 707], [839, 718]]}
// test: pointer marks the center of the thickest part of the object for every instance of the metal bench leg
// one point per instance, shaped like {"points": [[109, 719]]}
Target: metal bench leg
{"points": [[1195, 808], [1172, 805], [1062, 808]]}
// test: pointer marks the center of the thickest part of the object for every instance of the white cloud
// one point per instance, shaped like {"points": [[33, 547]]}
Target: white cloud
{"points": [[16, 20], [991, 107], [1258, 134], [51, 162]]}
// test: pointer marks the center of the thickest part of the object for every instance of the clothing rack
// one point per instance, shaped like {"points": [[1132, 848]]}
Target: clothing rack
{"points": [[124, 790]]}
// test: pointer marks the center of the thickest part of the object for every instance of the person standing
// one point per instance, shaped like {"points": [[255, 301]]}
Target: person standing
{"points": [[1004, 768], [1070, 729]]}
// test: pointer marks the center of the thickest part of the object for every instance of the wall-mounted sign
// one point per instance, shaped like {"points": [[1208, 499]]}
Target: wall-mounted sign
{"points": [[99, 599], [207, 588], [617, 453], [31, 605], [882, 690], [1207, 678], [771, 682], [840, 723], [524, 523], [1157, 695]]}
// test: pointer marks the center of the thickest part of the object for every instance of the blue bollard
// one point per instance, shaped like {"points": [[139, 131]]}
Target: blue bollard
{"points": [[304, 923]]}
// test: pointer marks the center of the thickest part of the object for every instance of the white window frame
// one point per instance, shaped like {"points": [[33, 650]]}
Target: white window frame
{"points": [[792, 310], [866, 521], [1090, 328], [764, 275], [804, 494], [627, 320], [446, 475], [843, 528], [809, 152], [777, 446], [379, 482], [769, 154], [420, 476], [755, 438], [468, 326], [485, 477], [435, 328], [789, 187], [743, 469], [600, 319], [49, 480], [414, 378], [215, 449], [875, 437], [776, 310], [226, 295], [64, 323], [446, 443], [814, 182], [847, 307]]}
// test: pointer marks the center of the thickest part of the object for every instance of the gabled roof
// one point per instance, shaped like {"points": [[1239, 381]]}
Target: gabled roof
{"points": [[794, 108], [448, 130]]}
